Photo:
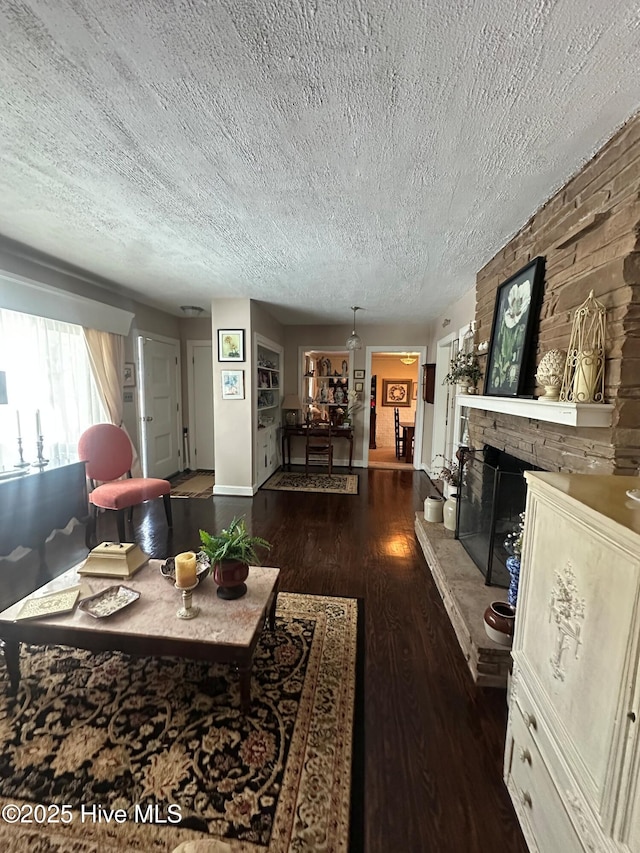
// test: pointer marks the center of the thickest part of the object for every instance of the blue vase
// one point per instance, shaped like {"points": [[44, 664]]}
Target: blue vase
{"points": [[513, 567]]}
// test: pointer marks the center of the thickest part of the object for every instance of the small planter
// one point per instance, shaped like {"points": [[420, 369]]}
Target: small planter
{"points": [[433, 509], [499, 619], [230, 576]]}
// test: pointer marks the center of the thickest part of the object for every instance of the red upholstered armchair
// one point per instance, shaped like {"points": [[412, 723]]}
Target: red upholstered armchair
{"points": [[107, 451]]}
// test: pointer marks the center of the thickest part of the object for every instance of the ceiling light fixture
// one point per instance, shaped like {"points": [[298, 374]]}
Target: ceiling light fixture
{"points": [[354, 341], [191, 310], [408, 359]]}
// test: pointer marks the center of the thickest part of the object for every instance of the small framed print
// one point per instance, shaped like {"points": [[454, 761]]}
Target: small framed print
{"points": [[232, 384], [359, 387], [129, 377], [230, 344], [396, 392], [358, 374]]}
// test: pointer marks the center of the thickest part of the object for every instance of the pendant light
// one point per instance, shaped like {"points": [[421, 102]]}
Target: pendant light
{"points": [[354, 341], [408, 359]]}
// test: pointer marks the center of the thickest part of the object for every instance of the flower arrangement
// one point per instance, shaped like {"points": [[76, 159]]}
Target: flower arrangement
{"points": [[463, 368], [513, 542], [449, 471]]}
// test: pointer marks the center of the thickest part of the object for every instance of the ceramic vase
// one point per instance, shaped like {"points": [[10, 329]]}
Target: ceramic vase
{"points": [[449, 511], [499, 619], [513, 567], [230, 576], [433, 507]]}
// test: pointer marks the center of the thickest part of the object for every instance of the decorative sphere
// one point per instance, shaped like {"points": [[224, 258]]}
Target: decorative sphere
{"points": [[551, 368]]}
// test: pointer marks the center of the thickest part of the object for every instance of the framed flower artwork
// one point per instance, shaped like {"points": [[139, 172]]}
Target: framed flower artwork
{"points": [[515, 318], [230, 344]]}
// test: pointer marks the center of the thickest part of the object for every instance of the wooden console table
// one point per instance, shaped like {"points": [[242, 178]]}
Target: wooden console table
{"points": [[336, 433]]}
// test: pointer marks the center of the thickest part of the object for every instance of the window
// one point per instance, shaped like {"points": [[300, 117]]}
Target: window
{"points": [[48, 370]]}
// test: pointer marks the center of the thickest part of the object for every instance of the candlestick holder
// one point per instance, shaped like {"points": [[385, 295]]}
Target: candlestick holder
{"points": [[187, 611], [40, 462], [21, 463]]}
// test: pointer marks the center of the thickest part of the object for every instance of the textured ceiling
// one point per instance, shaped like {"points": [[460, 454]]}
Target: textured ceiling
{"points": [[312, 154]]}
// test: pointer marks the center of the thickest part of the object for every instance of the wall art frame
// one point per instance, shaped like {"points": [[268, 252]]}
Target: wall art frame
{"points": [[232, 384], [515, 319], [231, 345], [396, 392], [129, 375], [358, 374]]}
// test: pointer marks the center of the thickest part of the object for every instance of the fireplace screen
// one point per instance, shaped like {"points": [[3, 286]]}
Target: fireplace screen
{"points": [[491, 497]]}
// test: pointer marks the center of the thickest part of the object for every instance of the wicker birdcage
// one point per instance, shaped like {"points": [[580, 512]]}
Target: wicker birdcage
{"points": [[583, 380]]}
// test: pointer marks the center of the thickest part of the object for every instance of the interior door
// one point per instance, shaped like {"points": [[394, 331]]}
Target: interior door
{"points": [[201, 406], [444, 404], [159, 365]]}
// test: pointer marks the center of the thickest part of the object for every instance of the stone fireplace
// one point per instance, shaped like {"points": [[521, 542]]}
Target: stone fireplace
{"points": [[589, 235], [491, 497]]}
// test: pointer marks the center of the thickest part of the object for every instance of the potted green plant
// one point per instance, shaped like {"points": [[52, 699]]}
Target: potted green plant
{"points": [[230, 553], [464, 371]]}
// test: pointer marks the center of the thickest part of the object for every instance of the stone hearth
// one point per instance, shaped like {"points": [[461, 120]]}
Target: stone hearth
{"points": [[465, 598]]}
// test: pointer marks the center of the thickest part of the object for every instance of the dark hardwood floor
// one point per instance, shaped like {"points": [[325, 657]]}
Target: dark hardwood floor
{"points": [[433, 741]]}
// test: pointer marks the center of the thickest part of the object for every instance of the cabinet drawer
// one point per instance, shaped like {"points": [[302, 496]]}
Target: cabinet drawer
{"points": [[536, 799]]}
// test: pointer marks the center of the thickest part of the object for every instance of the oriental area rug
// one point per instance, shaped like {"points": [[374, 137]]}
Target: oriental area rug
{"points": [[197, 484], [338, 484], [151, 754]]}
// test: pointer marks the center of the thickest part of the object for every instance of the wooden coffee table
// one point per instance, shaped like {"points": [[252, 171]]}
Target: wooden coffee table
{"points": [[224, 631]]}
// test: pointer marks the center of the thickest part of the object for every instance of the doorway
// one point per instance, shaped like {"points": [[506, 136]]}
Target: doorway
{"points": [[397, 386], [158, 396], [200, 393]]}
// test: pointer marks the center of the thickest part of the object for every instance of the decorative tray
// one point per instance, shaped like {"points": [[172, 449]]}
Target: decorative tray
{"points": [[109, 601], [168, 568], [62, 601]]}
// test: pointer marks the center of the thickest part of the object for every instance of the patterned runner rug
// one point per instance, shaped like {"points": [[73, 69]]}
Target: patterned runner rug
{"points": [[197, 484], [340, 484], [164, 741]]}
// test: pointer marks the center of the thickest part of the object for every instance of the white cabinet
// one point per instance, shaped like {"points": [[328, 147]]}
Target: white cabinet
{"points": [[268, 396], [572, 751]]}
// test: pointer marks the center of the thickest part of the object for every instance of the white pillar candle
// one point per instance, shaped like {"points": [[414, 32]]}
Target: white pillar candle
{"points": [[38, 424], [18, 420], [185, 569], [586, 375]]}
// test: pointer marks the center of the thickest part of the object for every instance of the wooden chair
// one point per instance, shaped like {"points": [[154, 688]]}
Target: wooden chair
{"points": [[106, 449], [400, 448], [319, 448]]}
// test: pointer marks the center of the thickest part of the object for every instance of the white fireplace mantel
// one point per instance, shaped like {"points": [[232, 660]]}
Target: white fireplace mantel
{"points": [[570, 414]]}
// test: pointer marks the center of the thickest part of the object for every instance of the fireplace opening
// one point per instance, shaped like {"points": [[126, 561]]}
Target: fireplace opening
{"points": [[490, 499]]}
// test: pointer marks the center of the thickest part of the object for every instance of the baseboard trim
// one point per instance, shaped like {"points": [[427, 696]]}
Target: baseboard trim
{"points": [[237, 491]]}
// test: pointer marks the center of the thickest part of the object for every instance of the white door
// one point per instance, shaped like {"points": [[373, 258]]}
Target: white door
{"points": [[200, 405], [444, 405], [159, 366]]}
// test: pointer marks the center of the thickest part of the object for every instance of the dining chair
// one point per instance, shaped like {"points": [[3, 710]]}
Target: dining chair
{"points": [[400, 448], [107, 451], [319, 447]]}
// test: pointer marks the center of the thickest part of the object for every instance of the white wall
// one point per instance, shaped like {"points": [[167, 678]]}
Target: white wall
{"points": [[457, 315]]}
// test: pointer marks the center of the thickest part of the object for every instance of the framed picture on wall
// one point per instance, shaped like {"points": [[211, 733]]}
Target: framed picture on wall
{"points": [[129, 377], [232, 384], [515, 318], [358, 374], [396, 392], [359, 387], [230, 344]]}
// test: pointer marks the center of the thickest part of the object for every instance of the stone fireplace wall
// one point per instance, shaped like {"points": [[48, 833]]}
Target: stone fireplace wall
{"points": [[589, 234]]}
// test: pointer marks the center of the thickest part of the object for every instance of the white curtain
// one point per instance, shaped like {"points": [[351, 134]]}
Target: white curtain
{"points": [[106, 355], [48, 371]]}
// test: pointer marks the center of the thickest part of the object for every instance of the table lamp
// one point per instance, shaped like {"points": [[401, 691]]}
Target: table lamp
{"points": [[291, 405]]}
